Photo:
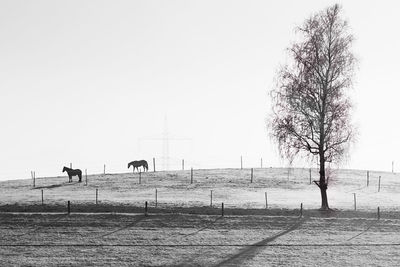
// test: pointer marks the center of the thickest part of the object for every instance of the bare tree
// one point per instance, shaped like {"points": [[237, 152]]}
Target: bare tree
{"points": [[311, 110]]}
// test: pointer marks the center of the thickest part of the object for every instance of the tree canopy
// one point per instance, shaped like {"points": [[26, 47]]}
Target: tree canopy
{"points": [[311, 106]]}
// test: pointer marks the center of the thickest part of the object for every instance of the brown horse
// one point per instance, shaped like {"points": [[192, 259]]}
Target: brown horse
{"points": [[73, 172], [139, 163]]}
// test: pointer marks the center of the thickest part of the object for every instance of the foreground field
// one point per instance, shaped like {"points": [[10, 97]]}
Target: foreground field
{"points": [[196, 240], [185, 226], [285, 188]]}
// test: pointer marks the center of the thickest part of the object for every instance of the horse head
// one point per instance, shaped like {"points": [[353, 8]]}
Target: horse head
{"points": [[64, 169]]}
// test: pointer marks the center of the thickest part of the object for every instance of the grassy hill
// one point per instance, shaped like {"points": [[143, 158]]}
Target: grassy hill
{"points": [[286, 189]]}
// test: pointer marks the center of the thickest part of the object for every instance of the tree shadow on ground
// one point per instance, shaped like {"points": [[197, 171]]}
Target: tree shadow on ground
{"points": [[363, 232], [141, 218], [250, 251], [205, 227], [37, 228]]}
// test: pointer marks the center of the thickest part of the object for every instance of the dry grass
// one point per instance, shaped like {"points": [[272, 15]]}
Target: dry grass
{"points": [[177, 233], [196, 240]]}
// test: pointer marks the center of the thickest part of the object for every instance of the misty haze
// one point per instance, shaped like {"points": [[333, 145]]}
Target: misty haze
{"points": [[199, 133]]}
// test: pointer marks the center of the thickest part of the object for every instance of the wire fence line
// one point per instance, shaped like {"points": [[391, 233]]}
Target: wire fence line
{"points": [[252, 188], [264, 243], [114, 166], [209, 245]]}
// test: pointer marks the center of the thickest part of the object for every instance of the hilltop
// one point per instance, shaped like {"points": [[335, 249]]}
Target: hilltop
{"points": [[285, 188]]}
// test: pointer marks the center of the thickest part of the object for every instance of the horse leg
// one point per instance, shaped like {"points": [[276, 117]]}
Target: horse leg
{"points": [[80, 177], [70, 178]]}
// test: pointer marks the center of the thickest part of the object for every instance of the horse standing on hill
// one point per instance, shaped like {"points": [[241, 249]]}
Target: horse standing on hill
{"points": [[73, 172], [139, 163]]}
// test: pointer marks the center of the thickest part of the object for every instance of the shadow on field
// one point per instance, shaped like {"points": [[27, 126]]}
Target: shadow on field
{"points": [[205, 227], [363, 232], [250, 251], [141, 218], [42, 226], [55, 185]]}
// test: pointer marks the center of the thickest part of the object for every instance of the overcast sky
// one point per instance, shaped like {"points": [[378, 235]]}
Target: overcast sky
{"points": [[94, 82]]}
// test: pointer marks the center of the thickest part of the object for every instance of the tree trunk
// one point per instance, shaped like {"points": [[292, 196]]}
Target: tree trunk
{"points": [[322, 183], [324, 198]]}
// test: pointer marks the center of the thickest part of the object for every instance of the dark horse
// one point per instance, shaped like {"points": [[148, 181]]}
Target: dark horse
{"points": [[138, 163], [72, 172]]}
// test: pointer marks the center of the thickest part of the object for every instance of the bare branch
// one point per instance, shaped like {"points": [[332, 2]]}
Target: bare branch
{"points": [[311, 108]]}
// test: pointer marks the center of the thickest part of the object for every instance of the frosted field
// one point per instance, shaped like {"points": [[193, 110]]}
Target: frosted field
{"points": [[196, 240], [286, 189], [268, 238]]}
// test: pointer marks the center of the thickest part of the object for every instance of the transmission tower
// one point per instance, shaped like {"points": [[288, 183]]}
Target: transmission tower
{"points": [[165, 139], [165, 149]]}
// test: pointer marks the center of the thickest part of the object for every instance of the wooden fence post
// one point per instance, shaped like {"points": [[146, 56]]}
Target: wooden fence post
{"points": [[145, 209], [154, 164], [392, 166], [251, 179], [241, 162], [191, 175], [367, 178], [156, 198], [85, 176], [261, 163], [97, 195], [42, 198], [222, 209], [69, 207], [379, 184], [266, 200], [183, 165], [301, 209], [355, 201], [379, 214], [33, 175], [310, 175], [104, 169], [211, 198], [70, 165]]}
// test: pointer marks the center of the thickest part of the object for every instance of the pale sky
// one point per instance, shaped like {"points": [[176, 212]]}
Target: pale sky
{"points": [[91, 82]]}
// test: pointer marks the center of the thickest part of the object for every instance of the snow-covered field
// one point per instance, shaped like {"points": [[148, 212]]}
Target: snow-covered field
{"points": [[286, 188]]}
